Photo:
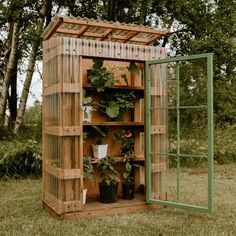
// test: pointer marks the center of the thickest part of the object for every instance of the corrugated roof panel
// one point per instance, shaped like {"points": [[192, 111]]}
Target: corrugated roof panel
{"points": [[102, 30]]}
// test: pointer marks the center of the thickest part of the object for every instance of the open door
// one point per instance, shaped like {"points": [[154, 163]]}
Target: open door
{"points": [[179, 132]]}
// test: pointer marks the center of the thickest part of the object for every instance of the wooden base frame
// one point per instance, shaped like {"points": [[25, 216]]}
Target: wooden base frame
{"points": [[94, 208]]}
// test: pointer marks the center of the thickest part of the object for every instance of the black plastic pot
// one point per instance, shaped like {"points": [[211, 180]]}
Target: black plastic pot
{"points": [[108, 193], [128, 190]]}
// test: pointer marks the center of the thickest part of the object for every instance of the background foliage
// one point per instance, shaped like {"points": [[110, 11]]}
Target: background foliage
{"points": [[195, 26]]}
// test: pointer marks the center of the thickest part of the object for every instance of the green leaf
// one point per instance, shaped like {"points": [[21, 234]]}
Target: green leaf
{"points": [[124, 77], [133, 68], [113, 109]]}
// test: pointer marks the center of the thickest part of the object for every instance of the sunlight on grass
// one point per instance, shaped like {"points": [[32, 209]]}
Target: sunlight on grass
{"points": [[21, 213]]}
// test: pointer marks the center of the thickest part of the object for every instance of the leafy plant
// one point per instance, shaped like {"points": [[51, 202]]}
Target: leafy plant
{"points": [[108, 174], [20, 159], [100, 77], [127, 150], [87, 100], [101, 133], [117, 103], [88, 169]]}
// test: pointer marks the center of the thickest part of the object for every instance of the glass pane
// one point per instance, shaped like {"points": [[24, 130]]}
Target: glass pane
{"points": [[194, 183], [172, 131], [171, 179], [193, 82], [172, 84], [193, 132]]}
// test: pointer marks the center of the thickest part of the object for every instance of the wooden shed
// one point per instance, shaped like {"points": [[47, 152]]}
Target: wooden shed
{"points": [[71, 47]]}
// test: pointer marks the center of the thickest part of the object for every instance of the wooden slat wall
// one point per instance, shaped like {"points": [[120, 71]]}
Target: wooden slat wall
{"points": [[62, 133], [84, 47], [159, 139], [62, 116]]}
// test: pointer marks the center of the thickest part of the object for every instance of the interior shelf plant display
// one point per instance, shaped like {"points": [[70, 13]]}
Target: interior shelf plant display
{"points": [[87, 107], [127, 151], [94, 92], [100, 149], [88, 172], [115, 104], [109, 179]]}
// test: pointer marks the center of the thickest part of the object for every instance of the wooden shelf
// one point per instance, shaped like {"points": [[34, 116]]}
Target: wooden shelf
{"points": [[120, 159], [141, 88], [114, 123]]}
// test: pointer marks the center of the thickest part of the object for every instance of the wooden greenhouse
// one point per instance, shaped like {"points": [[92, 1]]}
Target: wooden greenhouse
{"points": [[71, 47]]}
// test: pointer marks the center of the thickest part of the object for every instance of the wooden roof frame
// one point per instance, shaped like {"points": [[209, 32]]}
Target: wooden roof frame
{"points": [[112, 31]]}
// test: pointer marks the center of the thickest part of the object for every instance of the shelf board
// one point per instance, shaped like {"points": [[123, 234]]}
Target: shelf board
{"points": [[114, 123], [141, 88], [120, 159]]}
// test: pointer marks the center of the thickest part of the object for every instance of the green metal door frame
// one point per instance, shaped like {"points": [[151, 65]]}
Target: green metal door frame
{"points": [[210, 154]]}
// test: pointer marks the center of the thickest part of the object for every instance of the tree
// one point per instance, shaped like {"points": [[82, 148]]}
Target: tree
{"points": [[200, 26], [32, 59]]}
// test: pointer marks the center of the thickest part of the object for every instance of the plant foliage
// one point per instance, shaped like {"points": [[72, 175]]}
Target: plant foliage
{"points": [[127, 150], [117, 103], [100, 77], [88, 169], [108, 174]]}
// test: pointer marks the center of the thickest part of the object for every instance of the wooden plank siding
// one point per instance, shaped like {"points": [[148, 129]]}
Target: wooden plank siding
{"points": [[63, 66]]}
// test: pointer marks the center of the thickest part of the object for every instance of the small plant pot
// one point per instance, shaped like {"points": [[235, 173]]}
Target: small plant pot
{"points": [[87, 113], [100, 151], [128, 190], [120, 117], [108, 193], [84, 195]]}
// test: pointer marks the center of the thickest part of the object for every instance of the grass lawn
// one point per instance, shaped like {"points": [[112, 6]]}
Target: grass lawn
{"points": [[21, 213]]}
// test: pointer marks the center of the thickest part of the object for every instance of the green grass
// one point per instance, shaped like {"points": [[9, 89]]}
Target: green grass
{"points": [[21, 213]]}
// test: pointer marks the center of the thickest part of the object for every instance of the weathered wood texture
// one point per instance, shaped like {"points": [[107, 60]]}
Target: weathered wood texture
{"points": [[158, 131], [65, 64]]}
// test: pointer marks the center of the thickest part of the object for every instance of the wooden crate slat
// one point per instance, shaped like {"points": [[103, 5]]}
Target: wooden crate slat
{"points": [[62, 173], [62, 88], [158, 129], [63, 130], [158, 167], [158, 92], [60, 206]]}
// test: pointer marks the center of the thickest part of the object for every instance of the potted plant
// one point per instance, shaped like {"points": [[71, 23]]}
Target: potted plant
{"points": [[87, 174], [100, 77], [127, 151], [117, 103], [100, 149], [109, 179], [87, 107]]}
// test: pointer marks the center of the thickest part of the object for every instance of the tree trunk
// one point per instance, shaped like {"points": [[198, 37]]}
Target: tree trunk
{"points": [[27, 83], [31, 65], [12, 98], [10, 69], [143, 11]]}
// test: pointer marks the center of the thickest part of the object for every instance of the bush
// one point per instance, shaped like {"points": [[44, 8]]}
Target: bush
{"points": [[20, 155], [194, 141], [225, 144]]}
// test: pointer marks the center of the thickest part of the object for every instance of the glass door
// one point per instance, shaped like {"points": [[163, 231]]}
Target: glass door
{"points": [[179, 132]]}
